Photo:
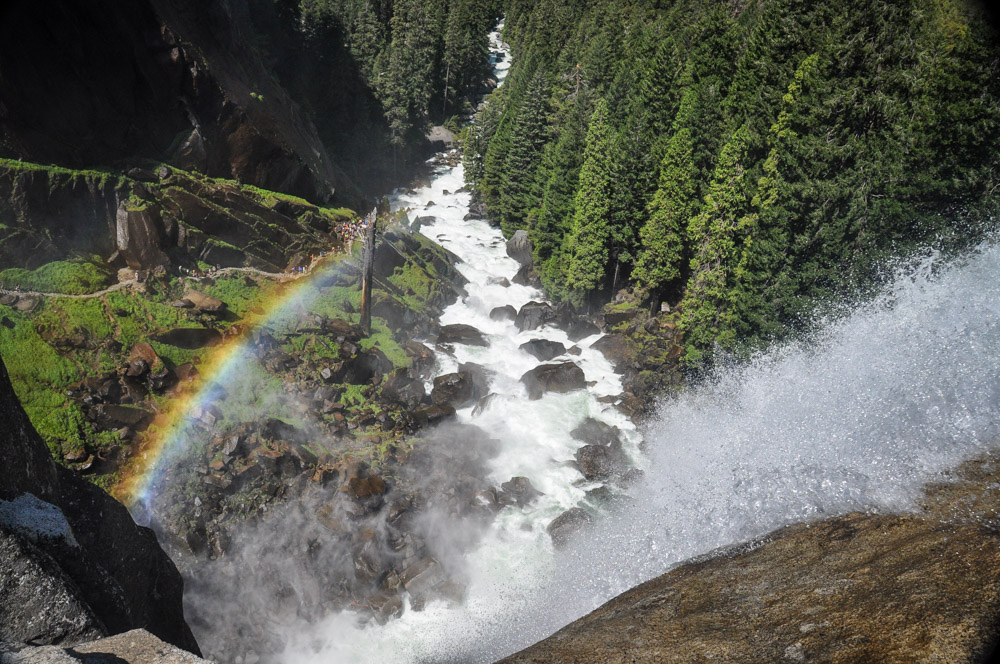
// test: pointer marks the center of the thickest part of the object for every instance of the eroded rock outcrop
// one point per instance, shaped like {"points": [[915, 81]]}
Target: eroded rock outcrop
{"points": [[854, 588]]}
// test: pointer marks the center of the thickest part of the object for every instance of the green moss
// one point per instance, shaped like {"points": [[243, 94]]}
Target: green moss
{"points": [[71, 277]]}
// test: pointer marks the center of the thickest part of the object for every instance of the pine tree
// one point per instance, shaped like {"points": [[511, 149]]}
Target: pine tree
{"points": [[673, 205], [706, 310], [591, 232], [517, 191]]}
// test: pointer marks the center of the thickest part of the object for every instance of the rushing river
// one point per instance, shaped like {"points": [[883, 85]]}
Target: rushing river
{"points": [[884, 400]]}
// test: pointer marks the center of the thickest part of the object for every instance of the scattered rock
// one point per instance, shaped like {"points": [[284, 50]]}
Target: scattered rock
{"points": [[483, 404], [526, 276], [562, 377], [601, 462], [204, 302], [614, 347], [499, 281], [581, 328], [399, 387], [434, 413]]}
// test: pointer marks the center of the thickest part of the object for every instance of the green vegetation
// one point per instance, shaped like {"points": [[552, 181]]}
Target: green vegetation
{"points": [[742, 162], [72, 277]]}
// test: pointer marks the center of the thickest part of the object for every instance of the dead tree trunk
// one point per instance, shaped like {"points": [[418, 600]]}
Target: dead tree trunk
{"points": [[368, 267]]}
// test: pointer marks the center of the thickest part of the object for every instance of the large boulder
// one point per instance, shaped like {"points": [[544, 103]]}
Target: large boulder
{"points": [[615, 349], [190, 337], [543, 349], [519, 247], [403, 389], [561, 377], [115, 568], [460, 333], [139, 236], [596, 432], [506, 312], [204, 302]]}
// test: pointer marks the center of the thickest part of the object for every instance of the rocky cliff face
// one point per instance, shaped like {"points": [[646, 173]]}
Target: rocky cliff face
{"points": [[856, 588], [87, 85], [73, 564]]}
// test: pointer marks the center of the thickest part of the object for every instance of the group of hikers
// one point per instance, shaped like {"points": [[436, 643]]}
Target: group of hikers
{"points": [[348, 231]]}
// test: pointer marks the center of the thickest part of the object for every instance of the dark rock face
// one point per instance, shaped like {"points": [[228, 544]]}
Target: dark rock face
{"points": [[518, 491], [519, 247], [97, 89], [527, 276], [139, 236], [854, 588], [40, 603], [562, 377], [580, 328], [460, 333], [117, 568], [543, 349], [614, 348], [401, 388]]}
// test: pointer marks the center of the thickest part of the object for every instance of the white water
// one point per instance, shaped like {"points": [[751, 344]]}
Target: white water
{"points": [[860, 419]]}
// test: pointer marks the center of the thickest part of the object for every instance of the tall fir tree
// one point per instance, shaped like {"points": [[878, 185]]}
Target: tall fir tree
{"points": [[591, 234]]}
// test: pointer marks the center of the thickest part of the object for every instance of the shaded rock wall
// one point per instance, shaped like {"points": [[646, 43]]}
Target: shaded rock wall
{"points": [[100, 558], [855, 588], [85, 84]]}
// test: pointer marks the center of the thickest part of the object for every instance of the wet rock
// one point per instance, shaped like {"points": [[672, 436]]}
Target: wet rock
{"points": [[484, 404], [499, 281], [434, 414], [275, 429], [455, 389], [519, 247], [422, 576], [562, 377], [614, 347], [421, 356], [460, 333], [526, 276], [580, 328], [422, 221], [566, 526], [506, 312], [596, 432], [543, 349], [575, 350], [518, 491], [601, 462], [533, 315], [385, 606], [190, 337]]}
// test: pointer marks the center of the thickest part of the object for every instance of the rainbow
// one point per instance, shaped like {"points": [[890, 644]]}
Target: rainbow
{"points": [[172, 431]]}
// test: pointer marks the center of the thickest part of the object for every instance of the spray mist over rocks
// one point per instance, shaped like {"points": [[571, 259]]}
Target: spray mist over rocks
{"points": [[859, 418]]}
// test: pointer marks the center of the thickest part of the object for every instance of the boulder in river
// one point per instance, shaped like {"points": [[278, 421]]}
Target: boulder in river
{"points": [[518, 491], [596, 432], [565, 526], [519, 247], [561, 377], [505, 312], [580, 328], [543, 349], [601, 462], [527, 276], [460, 333], [533, 315]]}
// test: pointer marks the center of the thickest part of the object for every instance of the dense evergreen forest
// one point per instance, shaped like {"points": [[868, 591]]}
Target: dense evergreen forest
{"points": [[741, 161], [375, 74]]}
